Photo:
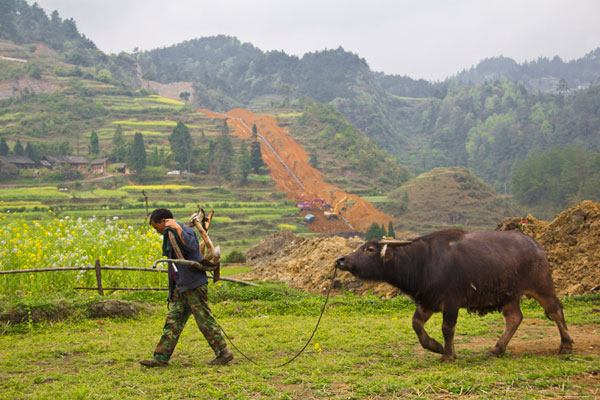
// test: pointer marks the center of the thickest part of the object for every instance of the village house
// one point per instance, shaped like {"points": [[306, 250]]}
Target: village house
{"points": [[73, 162], [21, 162], [98, 166]]}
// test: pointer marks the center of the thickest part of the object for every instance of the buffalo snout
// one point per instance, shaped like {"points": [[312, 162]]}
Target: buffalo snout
{"points": [[340, 263]]}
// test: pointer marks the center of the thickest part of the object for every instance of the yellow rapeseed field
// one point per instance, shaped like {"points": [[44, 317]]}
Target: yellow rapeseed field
{"points": [[68, 242]]}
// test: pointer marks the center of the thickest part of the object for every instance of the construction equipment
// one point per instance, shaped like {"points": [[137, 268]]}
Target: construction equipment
{"points": [[308, 205], [335, 212]]}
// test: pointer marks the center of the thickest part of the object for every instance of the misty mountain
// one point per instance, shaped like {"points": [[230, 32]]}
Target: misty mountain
{"points": [[21, 23], [546, 75]]}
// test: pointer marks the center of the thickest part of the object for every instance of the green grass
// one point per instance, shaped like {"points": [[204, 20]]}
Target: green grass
{"points": [[364, 349]]}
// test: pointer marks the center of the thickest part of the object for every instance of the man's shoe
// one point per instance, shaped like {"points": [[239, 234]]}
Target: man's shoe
{"points": [[223, 358], [153, 362]]}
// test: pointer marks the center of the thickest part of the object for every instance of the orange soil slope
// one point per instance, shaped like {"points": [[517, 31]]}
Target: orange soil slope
{"points": [[311, 182]]}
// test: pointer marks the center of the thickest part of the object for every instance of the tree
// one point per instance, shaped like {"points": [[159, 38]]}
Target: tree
{"points": [[225, 126], [391, 232], [32, 152], [374, 232], [137, 156], [4, 150], [154, 159], [185, 96], [119, 146], [256, 160], [254, 132], [243, 163], [182, 145], [35, 71], [94, 143], [223, 156], [18, 149], [104, 75], [314, 162]]}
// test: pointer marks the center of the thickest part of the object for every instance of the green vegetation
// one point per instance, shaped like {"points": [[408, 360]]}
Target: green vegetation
{"points": [[364, 348], [551, 181]]}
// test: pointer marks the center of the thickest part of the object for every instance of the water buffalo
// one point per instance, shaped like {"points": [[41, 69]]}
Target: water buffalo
{"points": [[451, 269]]}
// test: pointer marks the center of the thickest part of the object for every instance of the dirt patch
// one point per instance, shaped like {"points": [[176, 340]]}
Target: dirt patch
{"points": [[310, 182], [61, 310], [308, 264], [572, 243], [115, 308]]}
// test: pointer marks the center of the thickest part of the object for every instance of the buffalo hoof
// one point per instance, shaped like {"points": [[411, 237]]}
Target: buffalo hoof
{"points": [[448, 358], [566, 348], [496, 351]]}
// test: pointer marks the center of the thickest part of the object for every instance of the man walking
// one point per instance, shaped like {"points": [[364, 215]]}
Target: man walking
{"points": [[187, 293]]}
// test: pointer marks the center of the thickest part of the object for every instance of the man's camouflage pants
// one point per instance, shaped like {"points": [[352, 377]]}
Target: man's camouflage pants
{"points": [[182, 305]]}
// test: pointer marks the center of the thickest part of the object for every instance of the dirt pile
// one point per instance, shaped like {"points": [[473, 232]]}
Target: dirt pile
{"points": [[307, 264], [572, 243], [571, 240]]}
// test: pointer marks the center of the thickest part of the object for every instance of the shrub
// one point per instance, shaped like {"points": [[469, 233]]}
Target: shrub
{"points": [[234, 257]]}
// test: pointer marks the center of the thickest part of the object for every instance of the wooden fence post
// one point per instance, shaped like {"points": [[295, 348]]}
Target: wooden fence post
{"points": [[99, 277]]}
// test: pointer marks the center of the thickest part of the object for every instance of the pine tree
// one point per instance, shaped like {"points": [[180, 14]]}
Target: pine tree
{"points": [[314, 162], [374, 232], [94, 143], [225, 126], [137, 157], [254, 132], [390, 231], [182, 146], [243, 163], [4, 149], [119, 146], [256, 160], [154, 159], [224, 152], [31, 152], [18, 149]]}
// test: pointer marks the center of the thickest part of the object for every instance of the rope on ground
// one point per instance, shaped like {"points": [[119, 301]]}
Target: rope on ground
{"points": [[307, 342]]}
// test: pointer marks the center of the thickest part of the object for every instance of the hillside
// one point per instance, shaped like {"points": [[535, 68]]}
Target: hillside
{"points": [[489, 119], [446, 197], [51, 114]]}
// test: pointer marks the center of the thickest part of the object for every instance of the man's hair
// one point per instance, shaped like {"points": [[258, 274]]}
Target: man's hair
{"points": [[159, 214]]}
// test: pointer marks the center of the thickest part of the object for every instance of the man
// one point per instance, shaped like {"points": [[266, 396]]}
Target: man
{"points": [[187, 294]]}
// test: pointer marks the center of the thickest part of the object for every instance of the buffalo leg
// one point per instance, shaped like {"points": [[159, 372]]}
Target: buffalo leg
{"points": [[554, 311], [448, 326], [420, 317], [512, 317]]}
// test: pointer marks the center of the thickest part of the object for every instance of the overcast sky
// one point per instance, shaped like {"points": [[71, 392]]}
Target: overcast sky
{"points": [[430, 39]]}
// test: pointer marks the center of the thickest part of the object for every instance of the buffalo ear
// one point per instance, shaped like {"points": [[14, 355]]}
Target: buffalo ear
{"points": [[386, 253]]}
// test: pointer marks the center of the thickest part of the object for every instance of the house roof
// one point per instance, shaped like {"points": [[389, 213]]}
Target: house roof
{"points": [[18, 160], [99, 161], [67, 159]]}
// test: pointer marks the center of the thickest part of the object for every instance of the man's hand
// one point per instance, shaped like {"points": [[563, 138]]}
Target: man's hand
{"points": [[171, 223]]}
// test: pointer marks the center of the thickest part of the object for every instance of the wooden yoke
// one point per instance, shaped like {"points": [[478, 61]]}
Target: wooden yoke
{"points": [[207, 249]]}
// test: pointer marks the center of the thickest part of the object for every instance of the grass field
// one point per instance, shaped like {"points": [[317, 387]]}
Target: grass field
{"points": [[363, 349]]}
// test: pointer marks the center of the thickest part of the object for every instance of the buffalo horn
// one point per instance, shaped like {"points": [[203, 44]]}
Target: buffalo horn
{"points": [[394, 242]]}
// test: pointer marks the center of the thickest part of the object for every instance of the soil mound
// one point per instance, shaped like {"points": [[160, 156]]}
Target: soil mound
{"points": [[572, 243], [307, 264], [571, 240]]}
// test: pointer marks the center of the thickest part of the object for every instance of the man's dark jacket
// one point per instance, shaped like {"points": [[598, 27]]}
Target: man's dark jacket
{"points": [[185, 278]]}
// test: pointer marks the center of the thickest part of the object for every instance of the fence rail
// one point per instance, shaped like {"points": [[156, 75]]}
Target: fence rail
{"points": [[98, 268]]}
